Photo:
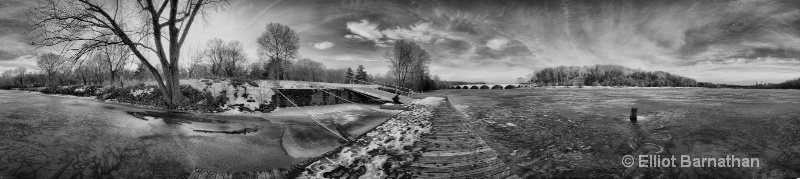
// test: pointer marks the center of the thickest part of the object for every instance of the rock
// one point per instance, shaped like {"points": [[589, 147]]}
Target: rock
{"points": [[359, 172], [336, 173]]}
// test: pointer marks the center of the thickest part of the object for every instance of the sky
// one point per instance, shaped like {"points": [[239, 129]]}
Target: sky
{"points": [[719, 41]]}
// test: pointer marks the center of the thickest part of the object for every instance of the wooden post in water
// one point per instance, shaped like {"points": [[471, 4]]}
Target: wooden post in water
{"points": [[633, 114]]}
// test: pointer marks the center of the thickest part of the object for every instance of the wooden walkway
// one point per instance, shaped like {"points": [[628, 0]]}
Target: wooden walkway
{"points": [[272, 174], [452, 150]]}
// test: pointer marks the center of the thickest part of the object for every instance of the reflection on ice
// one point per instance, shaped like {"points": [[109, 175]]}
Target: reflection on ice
{"points": [[50, 136]]}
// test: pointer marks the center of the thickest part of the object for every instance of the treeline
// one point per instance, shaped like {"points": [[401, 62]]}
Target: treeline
{"points": [[278, 60], [788, 84], [105, 66], [425, 82], [605, 75], [94, 73]]}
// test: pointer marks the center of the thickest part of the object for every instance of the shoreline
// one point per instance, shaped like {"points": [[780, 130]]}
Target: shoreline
{"points": [[617, 87], [196, 101]]}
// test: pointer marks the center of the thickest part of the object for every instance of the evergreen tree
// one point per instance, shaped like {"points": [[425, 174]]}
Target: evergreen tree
{"points": [[360, 73], [349, 74]]}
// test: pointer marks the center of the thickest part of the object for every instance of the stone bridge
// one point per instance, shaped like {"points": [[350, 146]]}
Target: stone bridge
{"points": [[491, 86]]}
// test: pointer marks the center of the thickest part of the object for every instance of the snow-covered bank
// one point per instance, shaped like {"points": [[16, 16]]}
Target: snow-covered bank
{"points": [[384, 149], [205, 95], [255, 95]]}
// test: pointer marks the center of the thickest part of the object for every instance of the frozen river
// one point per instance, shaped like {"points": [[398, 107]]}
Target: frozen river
{"points": [[584, 133], [46, 136]]}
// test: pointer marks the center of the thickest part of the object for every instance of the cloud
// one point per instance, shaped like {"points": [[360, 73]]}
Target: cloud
{"points": [[25, 61], [12, 26], [422, 32], [497, 44], [323, 45], [353, 58], [12, 46], [365, 29], [355, 37], [743, 70], [7, 55]]}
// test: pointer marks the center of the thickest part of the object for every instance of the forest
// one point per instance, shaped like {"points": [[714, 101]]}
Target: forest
{"points": [[605, 75]]}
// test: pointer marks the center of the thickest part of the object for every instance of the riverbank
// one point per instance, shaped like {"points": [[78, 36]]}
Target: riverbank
{"points": [[140, 95], [213, 96], [614, 87]]}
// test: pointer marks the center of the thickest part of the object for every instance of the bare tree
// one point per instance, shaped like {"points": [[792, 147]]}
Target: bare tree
{"points": [[94, 64], [255, 69], [235, 56], [406, 57], [81, 71], [7, 78], [157, 27], [194, 62], [335, 76], [215, 52], [20, 75], [277, 44], [226, 59], [49, 63], [115, 58], [308, 70]]}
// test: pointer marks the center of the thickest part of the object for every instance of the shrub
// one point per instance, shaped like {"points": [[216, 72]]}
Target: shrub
{"points": [[241, 80]]}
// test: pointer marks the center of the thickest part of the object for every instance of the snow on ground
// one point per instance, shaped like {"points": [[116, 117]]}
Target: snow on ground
{"points": [[255, 96], [403, 130], [429, 101], [311, 85], [141, 92]]}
